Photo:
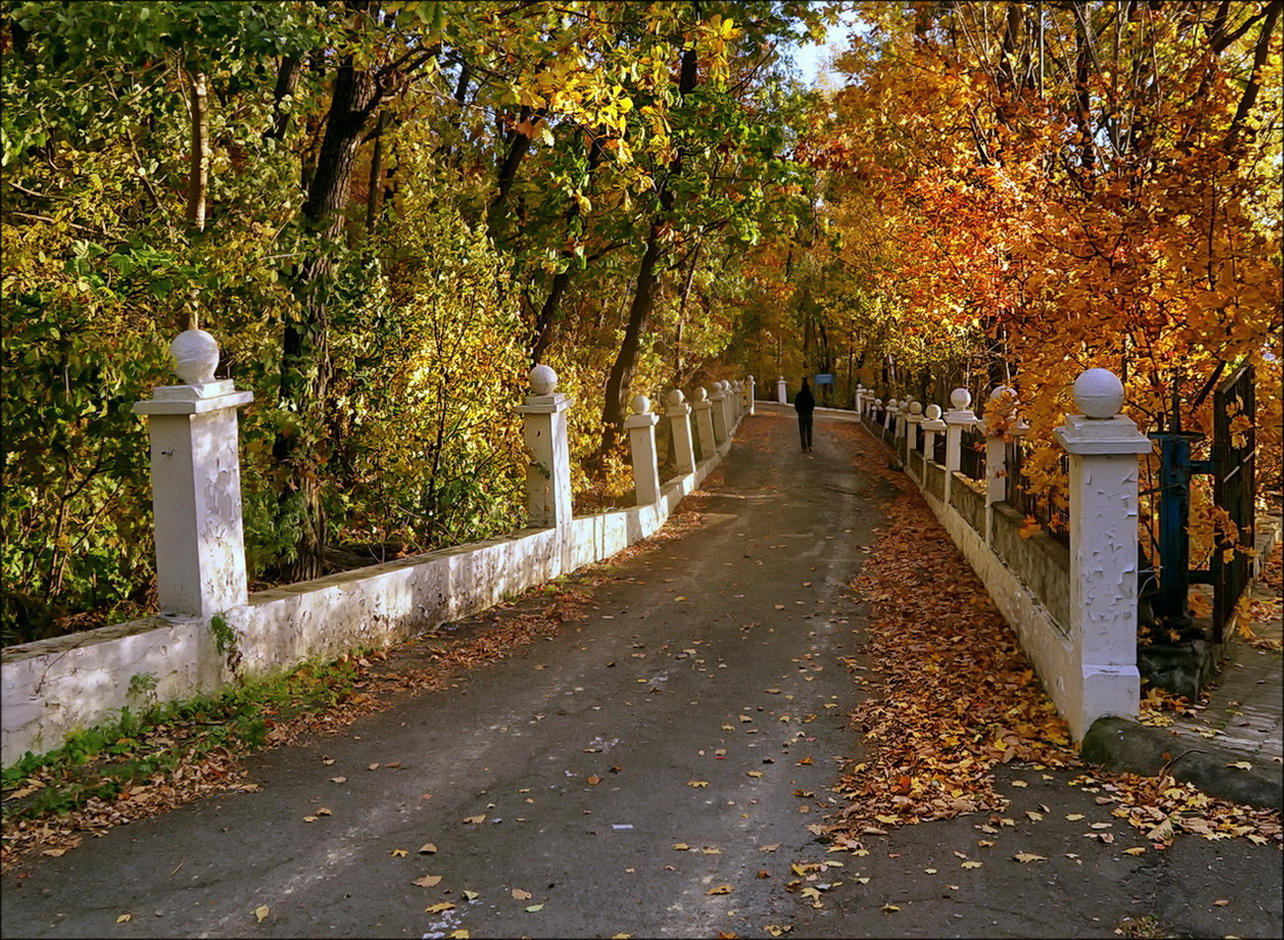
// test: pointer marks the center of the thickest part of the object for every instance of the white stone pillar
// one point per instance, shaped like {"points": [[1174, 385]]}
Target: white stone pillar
{"points": [[913, 418], [196, 484], [729, 406], [889, 416], [718, 399], [703, 409], [999, 417], [1103, 447], [733, 402], [679, 414], [858, 404], [960, 416], [548, 475], [641, 428], [932, 425], [875, 411], [782, 391], [751, 396]]}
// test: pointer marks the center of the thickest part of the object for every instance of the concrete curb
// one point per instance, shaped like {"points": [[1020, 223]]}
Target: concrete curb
{"points": [[1121, 745]]}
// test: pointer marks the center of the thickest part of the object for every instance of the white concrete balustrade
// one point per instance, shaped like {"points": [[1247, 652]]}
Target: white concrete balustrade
{"points": [[1085, 653], [56, 686]]}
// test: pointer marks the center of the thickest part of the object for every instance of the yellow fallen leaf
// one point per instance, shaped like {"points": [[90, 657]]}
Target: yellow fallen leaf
{"points": [[54, 853], [1027, 857], [769, 848], [398, 853], [710, 850], [324, 812], [261, 912], [621, 936], [889, 908], [929, 871], [1019, 783], [720, 889], [1074, 817], [427, 881], [753, 773], [697, 783], [309, 819], [439, 907], [427, 849], [338, 779], [479, 818], [681, 847], [971, 865], [1140, 850], [1241, 764], [679, 598], [470, 895], [1221, 903], [460, 934], [534, 908], [520, 895], [126, 918]]}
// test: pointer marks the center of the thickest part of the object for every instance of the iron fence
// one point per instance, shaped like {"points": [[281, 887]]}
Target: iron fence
{"points": [[1047, 507]]}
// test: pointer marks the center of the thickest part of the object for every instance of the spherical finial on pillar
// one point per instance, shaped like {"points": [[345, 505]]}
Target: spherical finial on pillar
{"points": [[1099, 393], [640, 404], [701, 393], [916, 407], [960, 398], [195, 356], [675, 397], [933, 412], [542, 380]]}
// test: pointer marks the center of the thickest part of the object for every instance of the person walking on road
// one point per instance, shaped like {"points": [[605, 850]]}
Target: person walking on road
{"points": [[804, 404]]}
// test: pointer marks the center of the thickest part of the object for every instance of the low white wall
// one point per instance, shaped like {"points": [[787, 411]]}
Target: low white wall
{"points": [[51, 688]]}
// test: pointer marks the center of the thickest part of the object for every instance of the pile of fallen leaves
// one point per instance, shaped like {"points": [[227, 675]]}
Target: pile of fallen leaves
{"points": [[953, 696]]}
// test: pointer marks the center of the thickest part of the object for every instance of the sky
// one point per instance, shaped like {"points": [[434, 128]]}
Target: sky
{"points": [[810, 57]]}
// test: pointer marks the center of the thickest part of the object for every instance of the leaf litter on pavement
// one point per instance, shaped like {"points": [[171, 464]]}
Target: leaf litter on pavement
{"points": [[952, 696]]}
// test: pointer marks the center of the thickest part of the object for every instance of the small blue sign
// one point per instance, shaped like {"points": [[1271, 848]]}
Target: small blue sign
{"points": [[824, 378]]}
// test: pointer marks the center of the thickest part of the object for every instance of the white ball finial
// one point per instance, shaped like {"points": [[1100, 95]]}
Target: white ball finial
{"points": [[916, 407], [1099, 393], [675, 397], [542, 380], [933, 412], [701, 393], [960, 398], [195, 356], [640, 404]]}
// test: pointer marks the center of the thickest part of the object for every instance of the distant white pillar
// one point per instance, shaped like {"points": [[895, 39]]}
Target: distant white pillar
{"points": [[641, 428], [913, 418], [997, 420], [703, 409], [196, 484], [751, 396], [782, 391], [932, 425], [718, 399], [889, 416], [679, 414], [960, 416], [548, 475], [729, 405], [1103, 446], [876, 410], [859, 402]]}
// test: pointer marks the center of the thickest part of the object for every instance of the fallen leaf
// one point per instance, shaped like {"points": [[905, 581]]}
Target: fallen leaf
{"points": [[126, 918], [323, 811], [1074, 817], [520, 895], [971, 865], [681, 846], [1027, 857], [1221, 903], [889, 908], [398, 853], [769, 848], [720, 889], [1019, 783], [261, 912], [697, 783], [753, 773], [427, 881], [439, 907], [594, 780], [1241, 765], [309, 819], [338, 779], [427, 849], [474, 820], [534, 908], [1140, 850], [54, 853], [460, 934]]}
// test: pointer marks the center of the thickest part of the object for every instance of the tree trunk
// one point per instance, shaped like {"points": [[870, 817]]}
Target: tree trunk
{"points": [[198, 176], [615, 404], [304, 355]]}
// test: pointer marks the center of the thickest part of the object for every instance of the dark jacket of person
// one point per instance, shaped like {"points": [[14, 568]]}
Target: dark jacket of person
{"points": [[804, 401]]}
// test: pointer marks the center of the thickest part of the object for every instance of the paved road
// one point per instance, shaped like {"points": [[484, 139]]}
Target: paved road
{"points": [[700, 703]]}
